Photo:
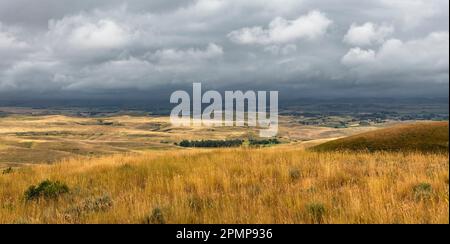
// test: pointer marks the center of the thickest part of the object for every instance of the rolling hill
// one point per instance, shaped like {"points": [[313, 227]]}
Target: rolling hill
{"points": [[278, 185], [429, 137]]}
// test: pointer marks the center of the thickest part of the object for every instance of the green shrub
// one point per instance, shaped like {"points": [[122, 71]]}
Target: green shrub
{"points": [[294, 174], [7, 171], [99, 204], [90, 205], [211, 143], [254, 190], [156, 217], [197, 204], [422, 191], [46, 189], [266, 142], [126, 167], [316, 211]]}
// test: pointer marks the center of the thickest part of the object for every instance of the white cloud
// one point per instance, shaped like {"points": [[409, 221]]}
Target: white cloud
{"points": [[358, 56], [205, 8], [368, 34], [25, 74], [188, 55], [81, 32], [430, 53], [273, 6], [281, 50], [419, 58], [8, 39], [116, 74], [104, 33], [412, 13], [12, 47], [103, 44], [310, 26]]}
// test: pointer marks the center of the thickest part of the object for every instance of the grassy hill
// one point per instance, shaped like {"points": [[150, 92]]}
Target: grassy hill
{"points": [[27, 139], [240, 185], [420, 137]]}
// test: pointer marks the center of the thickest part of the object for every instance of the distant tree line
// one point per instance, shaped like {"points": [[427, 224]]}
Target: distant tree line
{"points": [[211, 143], [264, 142], [227, 143]]}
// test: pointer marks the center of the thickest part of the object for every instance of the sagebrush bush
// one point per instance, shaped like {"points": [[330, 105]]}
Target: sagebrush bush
{"points": [[198, 204], [46, 189], [90, 205], [294, 174], [422, 191], [316, 211], [195, 203], [7, 171], [157, 217], [102, 203]]}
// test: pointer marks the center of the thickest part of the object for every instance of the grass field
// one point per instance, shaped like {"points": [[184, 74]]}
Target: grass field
{"points": [[26, 139], [271, 185], [135, 174]]}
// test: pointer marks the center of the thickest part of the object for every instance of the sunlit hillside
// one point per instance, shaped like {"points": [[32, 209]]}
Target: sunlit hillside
{"points": [[26, 139], [271, 185], [420, 137]]}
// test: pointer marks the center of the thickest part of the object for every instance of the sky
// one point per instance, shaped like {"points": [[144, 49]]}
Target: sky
{"points": [[302, 48]]}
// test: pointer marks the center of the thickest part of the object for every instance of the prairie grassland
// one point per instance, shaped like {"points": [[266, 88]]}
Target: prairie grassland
{"points": [[271, 185], [26, 139]]}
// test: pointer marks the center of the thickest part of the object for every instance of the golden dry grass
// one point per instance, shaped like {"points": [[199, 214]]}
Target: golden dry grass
{"points": [[270, 185], [421, 137], [26, 139]]}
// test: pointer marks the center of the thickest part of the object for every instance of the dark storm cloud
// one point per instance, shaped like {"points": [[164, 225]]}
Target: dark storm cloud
{"points": [[354, 48]]}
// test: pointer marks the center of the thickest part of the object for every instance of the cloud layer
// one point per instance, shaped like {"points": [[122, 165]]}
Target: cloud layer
{"points": [[424, 59], [280, 31], [368, 34], [301, 47]]}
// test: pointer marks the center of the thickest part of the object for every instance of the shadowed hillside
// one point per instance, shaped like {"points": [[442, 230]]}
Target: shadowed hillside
{"points": [[422, 137]]}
